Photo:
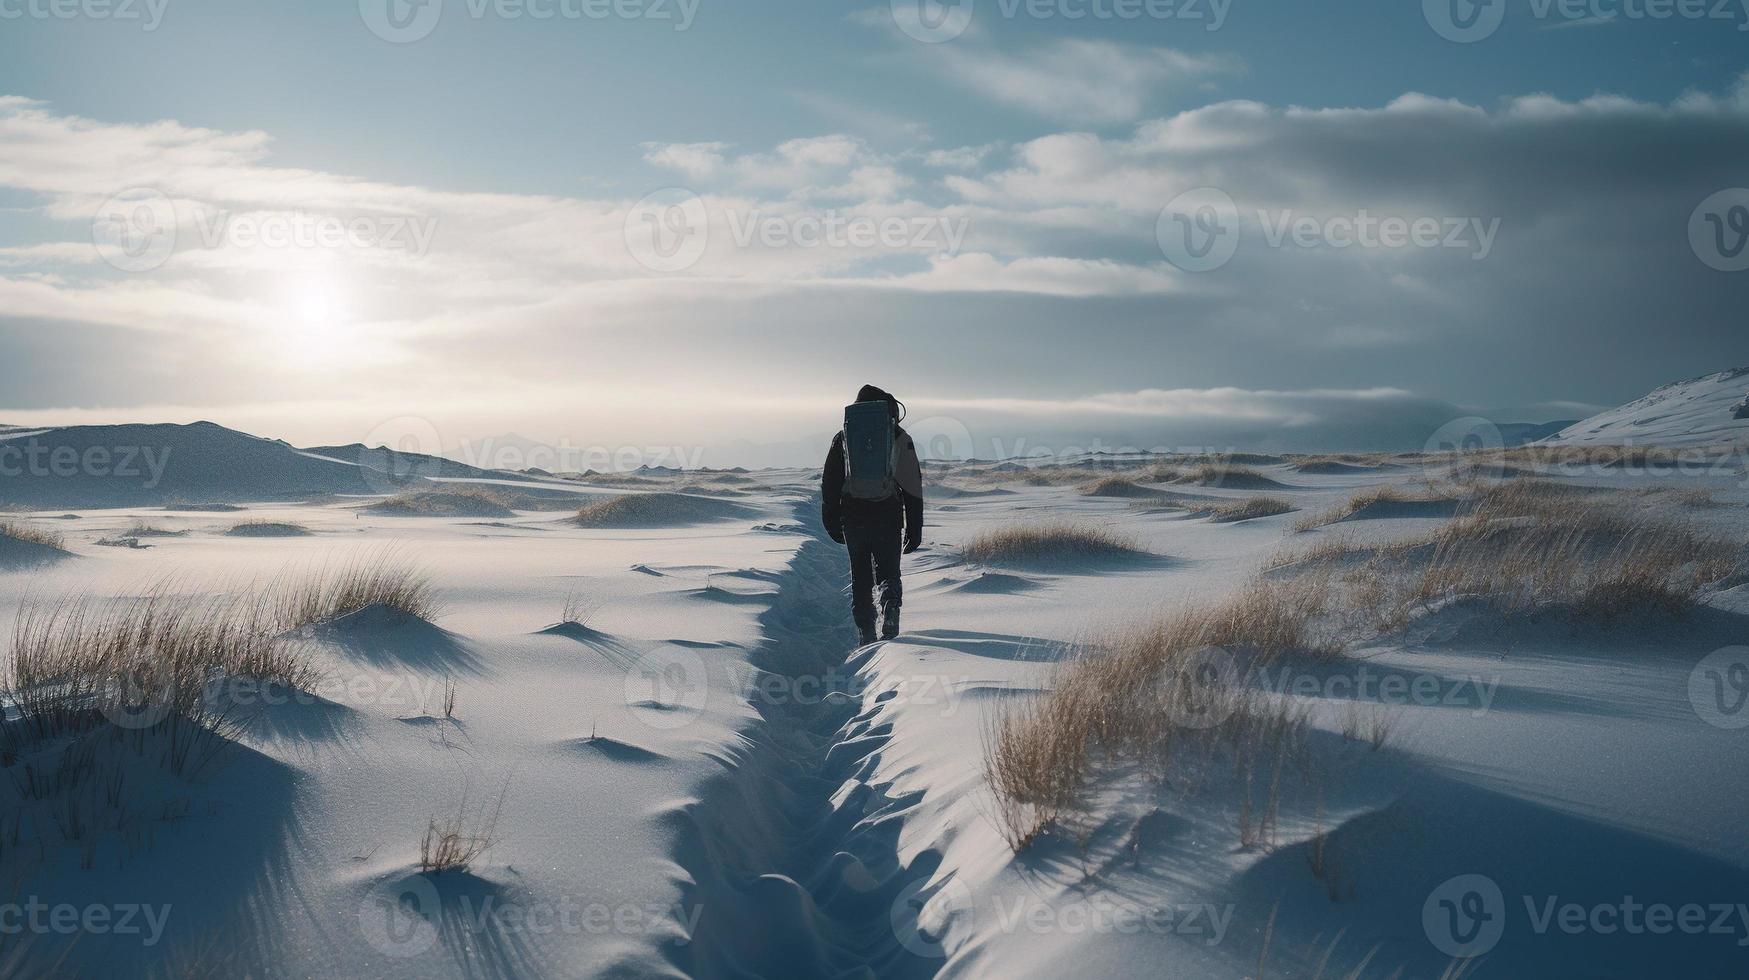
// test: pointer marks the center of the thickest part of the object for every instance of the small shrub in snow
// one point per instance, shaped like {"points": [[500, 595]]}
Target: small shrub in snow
{"points": [[381, 579], [267, 529], [1248, 509], [454, 843], [1389, 493], [580, 608], [1116, 486], [19, 531], [1046, 543]]}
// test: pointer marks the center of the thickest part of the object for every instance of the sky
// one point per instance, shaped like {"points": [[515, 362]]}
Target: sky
{"points": [[694, 228]]}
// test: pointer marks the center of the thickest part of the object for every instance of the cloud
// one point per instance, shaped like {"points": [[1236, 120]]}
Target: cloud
{"points": [[981, 272], [959, 157], [695, 161], [1046, 246], [1075, 79], [1187, 420]]}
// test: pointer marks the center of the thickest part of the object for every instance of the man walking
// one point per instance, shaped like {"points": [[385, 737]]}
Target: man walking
{"points": [[871, 501]]}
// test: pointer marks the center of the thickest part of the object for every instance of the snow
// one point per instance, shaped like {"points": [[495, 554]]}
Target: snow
{"points": [[1700, 412], [706, 780]]}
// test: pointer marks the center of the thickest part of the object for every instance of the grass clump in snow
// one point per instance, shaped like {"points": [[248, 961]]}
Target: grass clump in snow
{"points": [[451, 501], [1248, 509], [29, 534], [580, 608], [380, 580], [657, 509], [1226, 475], [143, 530], [268, 529], [1523, 546], [77, 662], [181, 506], [1052, 543], [1116, 486], [454, 843], [98, 696], [1168, 693], [1372, 497], [1339, 463]]}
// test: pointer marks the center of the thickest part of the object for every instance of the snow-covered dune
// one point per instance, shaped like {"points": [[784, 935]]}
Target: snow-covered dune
{"points": [[1708, 411], [141, 465], [675, 764]]}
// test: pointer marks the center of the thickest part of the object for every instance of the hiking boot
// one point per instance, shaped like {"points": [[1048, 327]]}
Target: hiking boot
{"points": [[865, 634], [890, 622]]}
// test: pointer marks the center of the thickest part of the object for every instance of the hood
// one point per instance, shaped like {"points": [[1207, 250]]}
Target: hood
{"points": [[870, 393]]}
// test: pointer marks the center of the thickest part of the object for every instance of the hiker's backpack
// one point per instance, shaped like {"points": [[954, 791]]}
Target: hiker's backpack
{"points": [[871, 451]]}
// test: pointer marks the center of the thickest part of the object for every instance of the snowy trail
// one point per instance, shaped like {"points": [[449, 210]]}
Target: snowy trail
{"points": [[792, 856]]}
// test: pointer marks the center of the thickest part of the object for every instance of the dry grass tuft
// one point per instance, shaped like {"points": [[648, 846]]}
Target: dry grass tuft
{"points": [[379, 579], [97, 694], [1389, 493], [1248, 509], [1116, 486], [1527, 545], [30, 534], [1148, 691], [268, 529], [1339, 463], [143, 530], [1049, 543], [1226, 475], [453, 500], [1524, 547], [76, 662], [580, 608], [657, 509], [452, 844]]}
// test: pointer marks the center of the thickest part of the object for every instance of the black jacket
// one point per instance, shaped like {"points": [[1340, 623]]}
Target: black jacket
{"points": [[904, 508]]}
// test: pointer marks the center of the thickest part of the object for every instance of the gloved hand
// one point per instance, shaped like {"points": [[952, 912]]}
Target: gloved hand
{"points": [[913, 540], [836, 534]]}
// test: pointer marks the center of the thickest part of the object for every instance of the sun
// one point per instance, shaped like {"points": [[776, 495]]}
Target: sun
{"points": [[315, 308], [312, 324]]}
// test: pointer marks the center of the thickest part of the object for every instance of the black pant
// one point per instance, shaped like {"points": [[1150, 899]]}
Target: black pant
{"points": [[874, 562]]}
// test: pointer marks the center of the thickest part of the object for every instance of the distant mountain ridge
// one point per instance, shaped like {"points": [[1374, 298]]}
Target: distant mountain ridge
{"points": [[1711, 410], [136, 465]]}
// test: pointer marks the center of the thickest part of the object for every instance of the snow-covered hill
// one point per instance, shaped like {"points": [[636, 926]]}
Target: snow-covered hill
{"points": [[1709, 411], [141, 465]]}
